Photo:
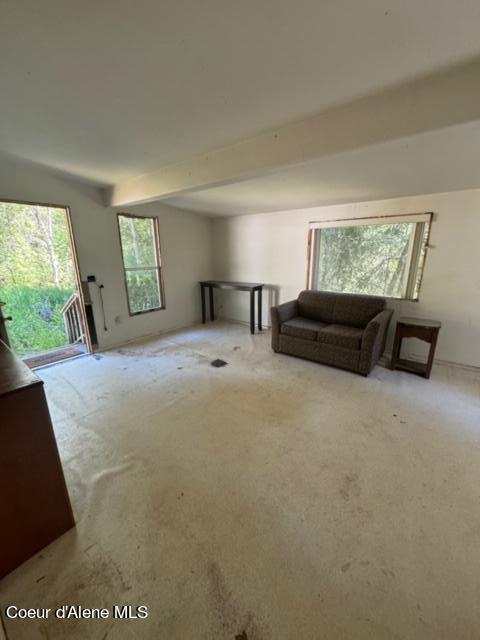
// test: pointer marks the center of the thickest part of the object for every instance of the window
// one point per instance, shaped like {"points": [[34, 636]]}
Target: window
{"points": [[374, 256], [139, 239]]}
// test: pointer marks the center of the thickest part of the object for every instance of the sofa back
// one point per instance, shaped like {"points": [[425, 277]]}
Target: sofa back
{"points": [[340, 308]]}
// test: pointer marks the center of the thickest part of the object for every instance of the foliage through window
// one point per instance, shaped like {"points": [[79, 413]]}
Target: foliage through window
{"points": [[382, 256], [141, 262], [37, 274]]}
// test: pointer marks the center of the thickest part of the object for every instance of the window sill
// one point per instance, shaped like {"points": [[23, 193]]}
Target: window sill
{"points": [[132, 314], [374, 295]]}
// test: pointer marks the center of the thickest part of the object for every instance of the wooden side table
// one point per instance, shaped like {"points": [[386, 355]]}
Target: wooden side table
{"points": [[426, 330]]}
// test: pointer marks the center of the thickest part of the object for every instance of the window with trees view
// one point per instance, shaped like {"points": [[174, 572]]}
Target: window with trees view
{"points": [[139, 239], [374, 256]]}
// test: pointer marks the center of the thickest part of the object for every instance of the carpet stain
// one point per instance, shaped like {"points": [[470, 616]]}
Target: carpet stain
{"points": [[218, 363], [389, 573], [228, 613], [350, 487]]}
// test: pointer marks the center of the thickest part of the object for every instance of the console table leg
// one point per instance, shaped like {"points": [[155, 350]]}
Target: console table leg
{"points": [[212, 314], [204, 315], [259, 302], [252, 311]]}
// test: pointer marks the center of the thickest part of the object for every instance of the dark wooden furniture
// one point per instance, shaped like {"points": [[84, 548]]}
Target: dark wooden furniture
{"points": [[238, 286], [34, 504], [426, 330]]}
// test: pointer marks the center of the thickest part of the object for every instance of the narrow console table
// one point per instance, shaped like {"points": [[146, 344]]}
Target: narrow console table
{"points": [[426, 330], [238, 286], [34, 504]]}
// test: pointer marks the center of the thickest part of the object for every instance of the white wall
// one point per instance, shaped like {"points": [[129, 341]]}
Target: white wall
{"points": [[185, 245], [272, 248], [268, 248]]}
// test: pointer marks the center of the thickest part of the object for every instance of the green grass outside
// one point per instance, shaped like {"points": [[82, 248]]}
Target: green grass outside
{"points": [[37, 323]]}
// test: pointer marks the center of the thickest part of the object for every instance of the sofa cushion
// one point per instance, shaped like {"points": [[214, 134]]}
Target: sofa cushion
{"points": [[356, 310], [302, 328], [339, 308], [317, 305], [340, 335]]}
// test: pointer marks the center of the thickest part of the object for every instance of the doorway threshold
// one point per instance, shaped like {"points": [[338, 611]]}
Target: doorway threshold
{"points": [[56, 355]]}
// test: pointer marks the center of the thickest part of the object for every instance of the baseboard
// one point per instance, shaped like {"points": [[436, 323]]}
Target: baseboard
{"points": [[246, 323], [147, 336], [411, 356]]}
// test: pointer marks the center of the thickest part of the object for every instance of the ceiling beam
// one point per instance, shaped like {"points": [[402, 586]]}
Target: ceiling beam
{"points": [[438, 101]]}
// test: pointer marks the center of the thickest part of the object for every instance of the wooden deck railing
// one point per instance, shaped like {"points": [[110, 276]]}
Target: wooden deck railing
{"points": [[72, 317]]}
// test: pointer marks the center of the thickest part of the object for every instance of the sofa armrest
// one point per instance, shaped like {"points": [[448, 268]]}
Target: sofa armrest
{"points": [[373, 340], [279, 314]]}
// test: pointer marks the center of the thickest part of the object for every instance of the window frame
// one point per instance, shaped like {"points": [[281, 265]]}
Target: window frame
{"points": [[418, 240], [158, 256]]}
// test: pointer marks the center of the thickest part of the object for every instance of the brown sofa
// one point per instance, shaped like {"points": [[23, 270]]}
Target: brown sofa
{"points": [[343, 330]]}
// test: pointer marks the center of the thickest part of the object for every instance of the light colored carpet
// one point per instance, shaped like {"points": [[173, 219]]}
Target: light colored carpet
{"points": [[272, 499]]}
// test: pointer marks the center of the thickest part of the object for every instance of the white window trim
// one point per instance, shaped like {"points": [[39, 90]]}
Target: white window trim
{"points": [[354, 222], [158, 268], [410, 274]]}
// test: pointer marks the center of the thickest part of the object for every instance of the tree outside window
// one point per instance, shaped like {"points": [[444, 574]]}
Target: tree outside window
{"points": [[374, 258], [139, 238]]}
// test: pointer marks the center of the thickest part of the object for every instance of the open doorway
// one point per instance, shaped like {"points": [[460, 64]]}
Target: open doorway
{"points": [[42, 309]]}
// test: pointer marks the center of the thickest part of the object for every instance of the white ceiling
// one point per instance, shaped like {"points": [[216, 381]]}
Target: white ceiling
{"points": [[106, 90]]}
